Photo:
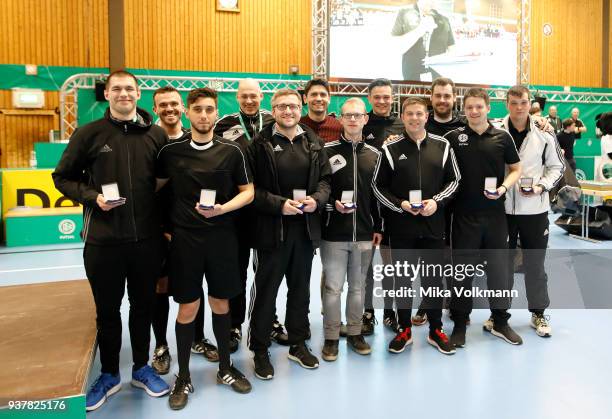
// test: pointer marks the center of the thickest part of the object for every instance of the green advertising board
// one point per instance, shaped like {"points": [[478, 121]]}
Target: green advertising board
{"points": [[43, 226]]}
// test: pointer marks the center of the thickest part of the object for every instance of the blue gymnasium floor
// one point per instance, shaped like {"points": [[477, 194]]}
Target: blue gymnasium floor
{"points": [[565, 376]]}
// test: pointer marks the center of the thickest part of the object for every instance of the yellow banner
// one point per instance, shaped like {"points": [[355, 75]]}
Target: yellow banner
{"points": [[30, 188]]}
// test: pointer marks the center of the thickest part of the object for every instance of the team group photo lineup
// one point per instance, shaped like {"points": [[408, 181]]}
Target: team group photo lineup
{"points": [[334, 208]]}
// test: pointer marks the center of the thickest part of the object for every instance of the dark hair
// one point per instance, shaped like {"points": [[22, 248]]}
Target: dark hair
{"points": [[119, 73], [477, 92], [195, 94], [414, 100], [442, 81], [379, 83], [162, 90], [517, 91], [567, 122], [316, 82]]}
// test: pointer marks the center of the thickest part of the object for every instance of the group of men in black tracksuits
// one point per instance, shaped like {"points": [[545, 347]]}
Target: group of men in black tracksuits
{"points": [[262, 180]]}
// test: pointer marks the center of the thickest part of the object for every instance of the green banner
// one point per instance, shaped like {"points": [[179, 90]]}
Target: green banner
{"points": [[64, 408]]}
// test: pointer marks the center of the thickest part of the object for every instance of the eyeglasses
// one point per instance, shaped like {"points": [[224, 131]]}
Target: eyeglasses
{"points": [[283, 107], [355, 116]]}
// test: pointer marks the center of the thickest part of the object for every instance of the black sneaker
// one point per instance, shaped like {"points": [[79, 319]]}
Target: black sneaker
{"points": [[420, 318], [506, 333], [302, 355], [206, 348], [390, 320], [367, 323], [234, 379], [402, 339], [180, 393], [330, 350], [161, 359], [358, 344], [457, 338], [278, 334], [263, 367], [438, 339], [235, 338]]}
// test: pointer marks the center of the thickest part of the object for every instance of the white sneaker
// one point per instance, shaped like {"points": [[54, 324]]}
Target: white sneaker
{"points": [[540, 323]]}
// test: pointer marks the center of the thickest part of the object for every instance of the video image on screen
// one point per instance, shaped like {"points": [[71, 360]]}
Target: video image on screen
{"points": [[470, 41]]}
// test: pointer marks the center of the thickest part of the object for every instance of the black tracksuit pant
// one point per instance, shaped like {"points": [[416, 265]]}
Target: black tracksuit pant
{"points": [[292, 260], [108, 268], [430, 251], [238, 303], [533, 233], [489, 232]]}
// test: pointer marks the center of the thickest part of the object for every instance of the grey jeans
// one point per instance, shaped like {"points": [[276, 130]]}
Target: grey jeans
{"points": [[342, 260]]}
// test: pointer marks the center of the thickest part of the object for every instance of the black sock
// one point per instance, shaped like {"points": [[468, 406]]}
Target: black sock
{"points": [[184, 338], [160, 319], [221, 324], [199, 321]]}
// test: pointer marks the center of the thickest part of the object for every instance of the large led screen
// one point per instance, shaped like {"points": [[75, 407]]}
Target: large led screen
{"points": [[470, 41]]}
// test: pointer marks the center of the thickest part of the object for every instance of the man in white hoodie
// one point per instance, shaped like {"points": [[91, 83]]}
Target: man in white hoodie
{"points": [[527, 202]]}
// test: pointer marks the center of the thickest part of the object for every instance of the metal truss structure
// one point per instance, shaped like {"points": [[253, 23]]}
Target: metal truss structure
{"points": [[523, 40], [70, 88], [320, 37]]}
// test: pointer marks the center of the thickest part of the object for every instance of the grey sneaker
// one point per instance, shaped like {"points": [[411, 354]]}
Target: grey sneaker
{"points": [[540, 323]]}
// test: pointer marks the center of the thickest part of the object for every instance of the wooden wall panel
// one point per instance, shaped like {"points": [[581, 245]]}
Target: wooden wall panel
{"points": [[571, 56], [610, 46], [18, 133], [54, 32], [267, 36]]}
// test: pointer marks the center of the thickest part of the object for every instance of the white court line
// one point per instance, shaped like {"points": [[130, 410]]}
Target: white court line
{"points": [[41, 269]]}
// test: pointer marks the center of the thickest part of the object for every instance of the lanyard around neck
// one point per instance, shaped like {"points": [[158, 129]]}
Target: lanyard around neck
{"points": [[246, 132]]}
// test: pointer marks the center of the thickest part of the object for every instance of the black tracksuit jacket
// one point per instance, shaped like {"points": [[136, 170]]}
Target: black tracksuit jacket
{"points": [[353, 166], [405, 166], [268, 203], [109, 151]]}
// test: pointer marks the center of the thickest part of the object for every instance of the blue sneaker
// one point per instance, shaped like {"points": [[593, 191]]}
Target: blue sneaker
{"points": [[105, 386], [147, 379]]}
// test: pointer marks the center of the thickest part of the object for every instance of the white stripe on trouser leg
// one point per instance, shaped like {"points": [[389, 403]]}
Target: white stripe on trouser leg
{"points": [[253, 294]]}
